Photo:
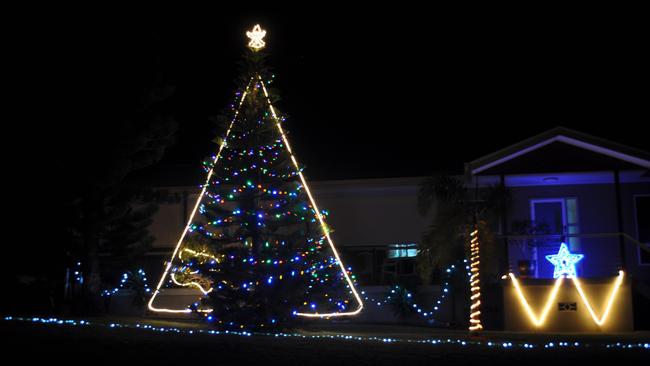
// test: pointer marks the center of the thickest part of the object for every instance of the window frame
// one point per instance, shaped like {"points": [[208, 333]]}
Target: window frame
{"points": [[636, 227], [565, 224], [562, 200], [402, 248]]}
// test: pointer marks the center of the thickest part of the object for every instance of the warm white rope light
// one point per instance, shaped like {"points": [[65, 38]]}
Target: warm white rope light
{"points": [[475, 288], [191, 283], [600, 321], [256, 43], [309, 195], [198, 254], [256, 35], [539, 321], [191, 218], [318, 215]]}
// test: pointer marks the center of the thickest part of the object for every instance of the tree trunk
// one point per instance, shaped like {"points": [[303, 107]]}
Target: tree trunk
{"points": [[91, 286]]}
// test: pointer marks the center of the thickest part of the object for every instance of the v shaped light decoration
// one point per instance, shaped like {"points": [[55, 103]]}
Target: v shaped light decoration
{"points": [[610, 300], [538, 320]]}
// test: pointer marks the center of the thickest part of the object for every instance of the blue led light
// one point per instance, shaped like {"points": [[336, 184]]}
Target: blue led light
{"points": [[564, 262], [460, 342]]}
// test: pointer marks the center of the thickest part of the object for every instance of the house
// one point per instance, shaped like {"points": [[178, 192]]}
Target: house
{"points": [[591, 194], [375, 224], [566, 187]]}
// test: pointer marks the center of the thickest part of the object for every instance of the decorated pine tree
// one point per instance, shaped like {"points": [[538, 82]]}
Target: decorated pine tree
{"points": [[256, 245]]}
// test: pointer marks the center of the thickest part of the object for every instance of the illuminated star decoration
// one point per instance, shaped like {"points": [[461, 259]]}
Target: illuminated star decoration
{"points": [[564, 262], [256, 35]]}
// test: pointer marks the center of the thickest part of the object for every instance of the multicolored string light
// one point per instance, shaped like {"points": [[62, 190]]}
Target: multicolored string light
{"points": [[204, 187], [186, 273]]}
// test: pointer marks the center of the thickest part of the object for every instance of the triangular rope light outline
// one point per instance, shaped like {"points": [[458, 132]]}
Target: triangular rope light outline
{"points": [[309, 195], [538, 321]]}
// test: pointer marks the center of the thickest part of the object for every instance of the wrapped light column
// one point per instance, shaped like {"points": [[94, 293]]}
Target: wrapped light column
{"points": [[475, 286]]}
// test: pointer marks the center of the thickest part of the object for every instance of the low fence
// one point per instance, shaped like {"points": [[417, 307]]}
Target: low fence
{"points": [[603, 253]]}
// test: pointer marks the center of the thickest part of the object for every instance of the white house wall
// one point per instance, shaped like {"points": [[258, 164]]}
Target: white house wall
{"points": [[362, 212]]}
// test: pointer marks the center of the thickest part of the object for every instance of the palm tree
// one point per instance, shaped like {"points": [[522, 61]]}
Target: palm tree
{"points": [[455, 210]]}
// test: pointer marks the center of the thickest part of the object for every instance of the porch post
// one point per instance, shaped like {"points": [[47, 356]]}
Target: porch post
{"points": [[373, 274], [619, 217], [504, 230]]}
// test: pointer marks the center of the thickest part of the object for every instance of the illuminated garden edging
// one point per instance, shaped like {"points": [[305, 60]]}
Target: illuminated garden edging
{"points": [[442, 341]]}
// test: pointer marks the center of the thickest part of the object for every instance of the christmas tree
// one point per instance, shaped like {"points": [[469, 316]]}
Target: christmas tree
{"points": [[256, 244]]}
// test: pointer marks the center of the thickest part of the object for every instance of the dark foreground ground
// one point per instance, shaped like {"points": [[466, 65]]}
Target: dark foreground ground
{"points": [[97, 343]]}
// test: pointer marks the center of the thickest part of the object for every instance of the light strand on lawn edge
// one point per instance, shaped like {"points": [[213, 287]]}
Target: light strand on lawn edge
{"points": [[644, 346]]}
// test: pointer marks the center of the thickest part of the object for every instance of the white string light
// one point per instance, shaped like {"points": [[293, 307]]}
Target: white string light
{"points": [[437, 303], [124, 282], [456, 342]]}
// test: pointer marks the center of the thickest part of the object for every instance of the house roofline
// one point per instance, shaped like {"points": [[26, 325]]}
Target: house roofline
{"points": [[567, 136]]}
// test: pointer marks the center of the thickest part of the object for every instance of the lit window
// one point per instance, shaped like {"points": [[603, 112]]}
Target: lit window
{"points": [[402, 250]]}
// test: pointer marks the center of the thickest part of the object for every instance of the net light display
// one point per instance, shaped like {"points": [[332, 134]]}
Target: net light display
{"points": [[188, 276]]}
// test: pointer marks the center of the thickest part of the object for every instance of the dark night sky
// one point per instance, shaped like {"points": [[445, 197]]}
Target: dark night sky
{"points": [[386, 93], [368, 95]]}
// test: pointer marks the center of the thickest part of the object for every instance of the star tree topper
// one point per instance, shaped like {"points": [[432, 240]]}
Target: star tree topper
{"points": [[256, 35], [564, 262]]}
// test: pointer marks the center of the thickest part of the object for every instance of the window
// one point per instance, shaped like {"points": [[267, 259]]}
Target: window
{"points": [[402, 250], [554, 216], [550, 214], [642, 215], [559, 216]]}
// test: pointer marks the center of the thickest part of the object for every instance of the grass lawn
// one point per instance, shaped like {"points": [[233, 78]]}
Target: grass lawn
{"points": [[98, 343]]}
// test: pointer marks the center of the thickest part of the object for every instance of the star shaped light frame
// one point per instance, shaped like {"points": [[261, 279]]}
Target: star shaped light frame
{"points": [[257, 38], [564, 262]]}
